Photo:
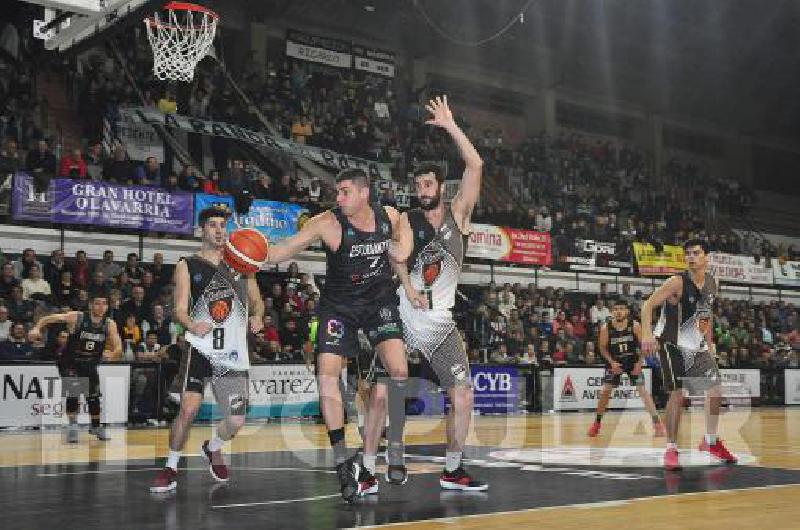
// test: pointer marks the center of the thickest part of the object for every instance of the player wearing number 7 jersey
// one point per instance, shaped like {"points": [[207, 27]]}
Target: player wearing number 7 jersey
{"points": [[212, 302]]}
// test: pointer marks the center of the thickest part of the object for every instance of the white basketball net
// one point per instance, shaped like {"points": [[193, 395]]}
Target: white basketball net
{"points": [[180, 41]]}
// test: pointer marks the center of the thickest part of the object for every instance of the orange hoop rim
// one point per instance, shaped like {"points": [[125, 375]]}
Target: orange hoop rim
{"points": [[181, 6]]}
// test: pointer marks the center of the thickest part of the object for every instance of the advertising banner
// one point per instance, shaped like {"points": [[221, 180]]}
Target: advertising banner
{"points": [[313, 48], [579, 389], [26, 203], [509, 244], [373, 60], [738, 382], [324, 157], [651, 263], [595, 256], [279, 390], [31, 395], [740, 269], [792, 386], [496, 388], [276, 220], [133, 207], [786, 273]]}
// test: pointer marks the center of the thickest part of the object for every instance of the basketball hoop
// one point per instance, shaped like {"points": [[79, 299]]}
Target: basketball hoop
{"points": [[180, 40]]}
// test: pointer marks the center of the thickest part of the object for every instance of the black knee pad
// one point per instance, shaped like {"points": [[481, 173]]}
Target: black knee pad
{"points": [[72, 405], [94, 404]]}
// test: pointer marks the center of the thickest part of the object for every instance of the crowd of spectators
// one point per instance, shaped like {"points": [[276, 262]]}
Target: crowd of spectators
{"points": [[552, 327]]}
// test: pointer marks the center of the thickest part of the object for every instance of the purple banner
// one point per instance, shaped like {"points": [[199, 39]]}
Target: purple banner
{"points": [[26, 204], [134, 207]]}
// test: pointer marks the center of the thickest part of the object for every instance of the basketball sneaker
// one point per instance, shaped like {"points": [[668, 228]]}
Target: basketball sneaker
{"points": [[672, 461], [100, 432], [216, 464], [348, 472], [659, 431], [367, 483], [165, 481], [718, 451], [594, 429], [460, 480]]}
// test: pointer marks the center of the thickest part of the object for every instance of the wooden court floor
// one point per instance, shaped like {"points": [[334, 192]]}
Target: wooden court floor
{"points": [[581, 478]]}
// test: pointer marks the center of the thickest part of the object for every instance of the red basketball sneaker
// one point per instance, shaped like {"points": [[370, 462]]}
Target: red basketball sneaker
{"points": [[718, 451], [165, 481], [216, 464], [460, 480], [672, 460], [594, 429]]}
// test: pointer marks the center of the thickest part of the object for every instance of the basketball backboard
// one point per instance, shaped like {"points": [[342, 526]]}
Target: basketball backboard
{"points": [[66, 23]]}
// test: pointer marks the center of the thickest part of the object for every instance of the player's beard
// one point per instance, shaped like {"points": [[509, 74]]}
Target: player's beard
{"points": [[433, 202]]}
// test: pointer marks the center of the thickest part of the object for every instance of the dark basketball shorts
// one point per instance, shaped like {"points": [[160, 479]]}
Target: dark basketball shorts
{"points": [[339, 324], [694, 371], [79, 376], [230, 390], [628, 363]]}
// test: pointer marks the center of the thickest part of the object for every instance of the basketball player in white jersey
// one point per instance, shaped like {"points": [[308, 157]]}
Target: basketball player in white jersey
{"points": [[428, 292], [212, 303], [684, 338]]}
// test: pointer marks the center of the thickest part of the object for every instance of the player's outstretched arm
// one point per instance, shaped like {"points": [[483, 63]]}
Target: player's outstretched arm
{"points": [[70, 318], [312, 231], [467, 196]]}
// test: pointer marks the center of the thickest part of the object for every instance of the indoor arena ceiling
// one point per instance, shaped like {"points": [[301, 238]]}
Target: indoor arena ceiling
{"points": [[732, 63]]}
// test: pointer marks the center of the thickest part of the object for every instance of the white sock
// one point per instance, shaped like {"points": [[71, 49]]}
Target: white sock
{"points": [[671, 445], [452, 459], [369, 462], [216, 443], [173, 459], [711, 439]]}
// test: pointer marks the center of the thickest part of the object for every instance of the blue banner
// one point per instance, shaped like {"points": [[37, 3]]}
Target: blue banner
{"points": [[276, 220], [95, 202], [496, 388]]}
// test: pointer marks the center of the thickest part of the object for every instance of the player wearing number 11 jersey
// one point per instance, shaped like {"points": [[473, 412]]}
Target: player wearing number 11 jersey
{"points": [[212, 302]]}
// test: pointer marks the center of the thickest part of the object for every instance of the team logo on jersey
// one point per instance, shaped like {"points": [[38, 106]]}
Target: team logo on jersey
{"points": [[386, 314], [431, 271], [459, 372], [350, 232], [220, 309], [385, 228], [446, 232], [197, 278], [335, 329]]}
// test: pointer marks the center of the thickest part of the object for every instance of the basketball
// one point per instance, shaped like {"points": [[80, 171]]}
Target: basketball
{"points": [[246, 250]]}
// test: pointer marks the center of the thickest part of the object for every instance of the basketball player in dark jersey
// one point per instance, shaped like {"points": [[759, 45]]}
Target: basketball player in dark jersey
{"points": [[618, 342], [428, 291], [93, 338], [359, 293], [212, 302], [684, 338]]}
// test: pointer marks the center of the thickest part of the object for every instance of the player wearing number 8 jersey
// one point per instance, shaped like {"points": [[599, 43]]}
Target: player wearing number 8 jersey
{"points": [[212, 302]]}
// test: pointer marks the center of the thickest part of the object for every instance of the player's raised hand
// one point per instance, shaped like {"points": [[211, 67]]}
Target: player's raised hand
{"points": [[256, 324], [34, 335], [440, 113]]}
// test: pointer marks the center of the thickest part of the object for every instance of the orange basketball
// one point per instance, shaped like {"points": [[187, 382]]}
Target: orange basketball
{"points": [[246, 250], [219, 310]]}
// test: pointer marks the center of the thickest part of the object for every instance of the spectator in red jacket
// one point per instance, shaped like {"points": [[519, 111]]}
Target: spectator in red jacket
{"points": [[73, 165]]}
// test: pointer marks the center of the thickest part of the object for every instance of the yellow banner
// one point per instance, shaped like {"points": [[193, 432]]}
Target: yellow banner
{"points": [[669, 261]]}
